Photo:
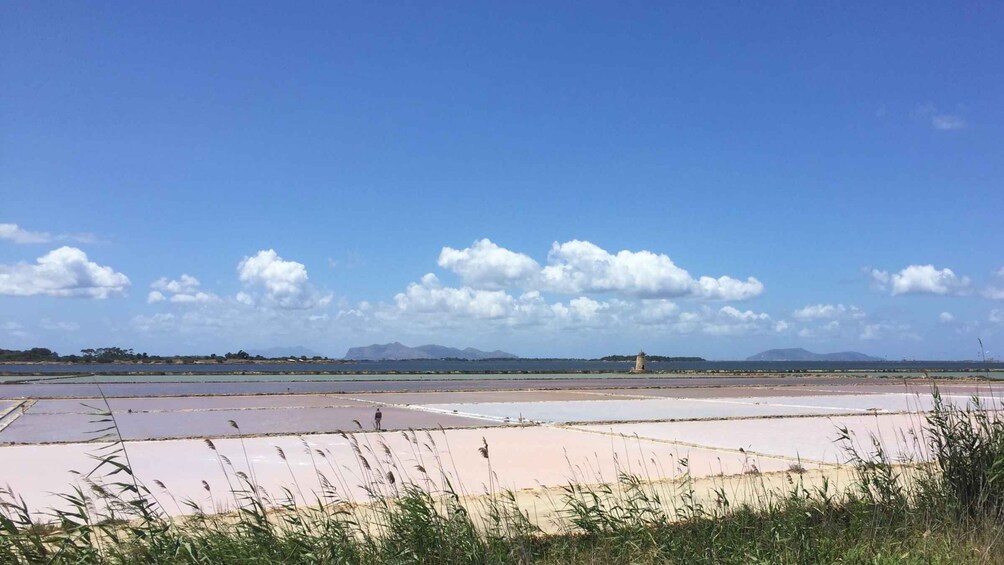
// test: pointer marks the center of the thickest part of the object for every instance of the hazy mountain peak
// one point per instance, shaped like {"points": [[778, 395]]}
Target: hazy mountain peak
{"points": [[397, 352], [801, 354]]}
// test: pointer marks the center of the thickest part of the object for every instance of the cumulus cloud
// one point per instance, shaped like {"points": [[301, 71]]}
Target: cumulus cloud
{"points": [[504, 288], [996, 316], [827, 311], [486, 265], [946, 317], [284, 282], [729, 320], [431, 304], [184, 290], [62, 272], [656, 312], [429, 297], [585, 308], [921, 279], [581, 267]]}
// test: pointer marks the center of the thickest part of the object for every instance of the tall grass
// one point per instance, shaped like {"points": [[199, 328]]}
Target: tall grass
{"points": [[946, 507]]}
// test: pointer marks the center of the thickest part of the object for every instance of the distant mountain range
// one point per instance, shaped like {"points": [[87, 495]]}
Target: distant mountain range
{"points": [[799, 354], [285, 352], [399, 352]]}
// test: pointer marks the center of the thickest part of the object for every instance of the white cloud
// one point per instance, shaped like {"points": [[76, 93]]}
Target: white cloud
{"points": [[656, 312], [728, 288], [581, 267], [13, 329], [746, 316], [486, 265], [431, 305], [197, 297], [62, 272], [995, 292], [887, 330], [938, 119], [921, 279], [827, 311], [157, 322], [996, 316], [285, 282], [185, 290], [17, 234], [429, 297], [47, 324], [184, 284], [729, 320], [946, 317], [641, 284], [585, 308], [947, 122]]}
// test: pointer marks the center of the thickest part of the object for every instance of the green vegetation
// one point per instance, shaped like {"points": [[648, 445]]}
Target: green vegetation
{"points": [[948, 510], [120, 355], [33, 354], [651, 358]]}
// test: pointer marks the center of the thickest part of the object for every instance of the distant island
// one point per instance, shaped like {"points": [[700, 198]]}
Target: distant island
{"points": [[295, 351], [122, 355], [799, 354], [399, 352], [652, 358]]}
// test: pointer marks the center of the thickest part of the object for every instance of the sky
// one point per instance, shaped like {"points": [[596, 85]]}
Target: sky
{"points": [[589, 178]]}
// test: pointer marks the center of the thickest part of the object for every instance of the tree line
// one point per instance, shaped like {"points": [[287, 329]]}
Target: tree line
{"points": [[119, 354]]}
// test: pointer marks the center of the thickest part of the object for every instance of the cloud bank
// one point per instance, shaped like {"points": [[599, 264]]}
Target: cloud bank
{"points": [[921, 279], [16, 234], [185, 290], [581, 267], [64, 272]]}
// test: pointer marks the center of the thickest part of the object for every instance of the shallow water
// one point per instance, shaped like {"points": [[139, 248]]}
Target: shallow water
{"points": [[504, 365], [178, 387], [45, 428]]}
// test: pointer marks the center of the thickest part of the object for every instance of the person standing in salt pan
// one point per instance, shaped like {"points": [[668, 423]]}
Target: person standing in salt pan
{"points": [[377, 418]]}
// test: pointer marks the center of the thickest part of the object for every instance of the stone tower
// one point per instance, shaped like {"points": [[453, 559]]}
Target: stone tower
{"points": [[639, 363]]}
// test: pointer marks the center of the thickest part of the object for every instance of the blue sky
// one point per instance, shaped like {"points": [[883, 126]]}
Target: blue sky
{"points": [[567, 175]]}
